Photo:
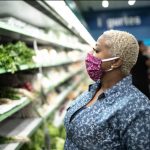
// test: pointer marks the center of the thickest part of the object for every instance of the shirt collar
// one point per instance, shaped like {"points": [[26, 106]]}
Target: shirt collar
{"points": [[120, 86], [94, 86]]}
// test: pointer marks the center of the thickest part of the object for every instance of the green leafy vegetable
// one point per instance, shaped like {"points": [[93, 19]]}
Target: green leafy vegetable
{"points": [[9, 93], [14, 55], [57, 139], [13, 139]]}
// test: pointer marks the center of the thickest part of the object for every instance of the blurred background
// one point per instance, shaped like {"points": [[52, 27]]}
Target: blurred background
{"points": [[130, 15]]}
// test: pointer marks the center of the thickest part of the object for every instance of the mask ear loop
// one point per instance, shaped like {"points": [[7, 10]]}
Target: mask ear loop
{"points": [[109, 59]]}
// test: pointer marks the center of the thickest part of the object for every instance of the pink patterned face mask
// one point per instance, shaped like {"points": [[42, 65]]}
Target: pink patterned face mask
{"points": [[94, 66]]}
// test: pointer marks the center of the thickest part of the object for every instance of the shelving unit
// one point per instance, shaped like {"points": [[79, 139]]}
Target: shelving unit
{"points": [[19, 127], [6, 29], [70, 39], [35, 66], [7, 110], [61, 98], [64, 79], [26, 127]]}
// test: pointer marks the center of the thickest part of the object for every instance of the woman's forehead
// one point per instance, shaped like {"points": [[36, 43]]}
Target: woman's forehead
{"points": [[100, 42]]}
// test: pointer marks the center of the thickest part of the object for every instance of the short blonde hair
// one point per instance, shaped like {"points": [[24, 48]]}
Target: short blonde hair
{"points": [[123, 45]]}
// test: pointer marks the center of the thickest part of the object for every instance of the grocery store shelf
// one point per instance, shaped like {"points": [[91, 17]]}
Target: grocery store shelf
{"points": [[72, 20], [60, 63], [34, 66], [61, 98], [51, 13], [18, 127], [63, 80], [67, 18], [7, 110], [51, 32], [42, 38], [22, 67], [26, 127]]}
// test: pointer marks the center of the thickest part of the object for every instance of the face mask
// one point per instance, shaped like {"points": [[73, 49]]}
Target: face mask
{"points": [[94, 66]]}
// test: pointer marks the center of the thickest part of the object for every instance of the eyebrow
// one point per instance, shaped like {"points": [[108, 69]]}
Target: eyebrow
{"points": [[97, 44]]}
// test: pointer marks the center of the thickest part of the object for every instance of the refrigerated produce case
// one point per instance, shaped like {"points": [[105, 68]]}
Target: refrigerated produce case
{"points": [[41, 71]]}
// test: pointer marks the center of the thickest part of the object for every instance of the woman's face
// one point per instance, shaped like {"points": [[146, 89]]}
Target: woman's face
{"points": [[102, 51]]}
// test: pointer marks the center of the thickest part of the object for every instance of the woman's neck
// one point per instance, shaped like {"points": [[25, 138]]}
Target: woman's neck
{"points": [[111, 78]]}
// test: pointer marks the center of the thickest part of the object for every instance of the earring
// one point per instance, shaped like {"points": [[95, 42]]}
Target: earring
{"points": [[112, 67]]}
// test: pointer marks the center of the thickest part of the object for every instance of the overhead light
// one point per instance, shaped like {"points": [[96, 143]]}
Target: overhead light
{"points": [[131, 2], [105, 3]]}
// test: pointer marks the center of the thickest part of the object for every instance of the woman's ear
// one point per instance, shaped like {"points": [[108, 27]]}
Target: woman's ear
{"points": [[117, 63]]}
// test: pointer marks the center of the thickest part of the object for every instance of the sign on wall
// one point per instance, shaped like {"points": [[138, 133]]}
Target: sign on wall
{"points": [[118, 21], [136, 21]]}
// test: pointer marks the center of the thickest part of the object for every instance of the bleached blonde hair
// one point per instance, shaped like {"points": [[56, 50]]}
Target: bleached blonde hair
{"points": [[123, 45]]}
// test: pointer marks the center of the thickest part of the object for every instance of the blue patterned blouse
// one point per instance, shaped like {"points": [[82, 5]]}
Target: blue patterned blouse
{"points": [[118, 120]]}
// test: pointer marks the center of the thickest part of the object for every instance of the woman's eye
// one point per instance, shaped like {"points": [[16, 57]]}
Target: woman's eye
{"points": [[95, 50]]}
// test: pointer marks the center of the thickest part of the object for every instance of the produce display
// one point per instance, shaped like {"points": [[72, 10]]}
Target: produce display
{"points": [[14, 55], [13, 22], [55, 76], [38, 76], [58, 136], [37, 141], [6, 140], [9, 93], [53, 56], [54, 132]]}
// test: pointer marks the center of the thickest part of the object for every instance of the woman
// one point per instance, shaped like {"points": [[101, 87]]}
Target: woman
{"points": [[112, 114]]}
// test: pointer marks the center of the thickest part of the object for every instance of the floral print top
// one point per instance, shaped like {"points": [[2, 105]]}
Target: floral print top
{"points": [[118, 120]]}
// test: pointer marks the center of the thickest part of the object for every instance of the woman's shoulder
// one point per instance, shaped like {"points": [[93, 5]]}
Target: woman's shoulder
{"points": [[138, 95], [133, 104]]}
